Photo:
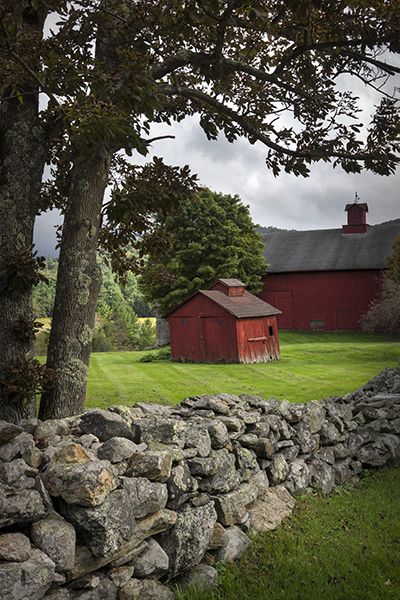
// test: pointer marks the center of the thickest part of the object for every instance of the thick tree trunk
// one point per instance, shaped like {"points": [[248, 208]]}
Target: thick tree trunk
{"points": [[22, 159], [78, 286]]}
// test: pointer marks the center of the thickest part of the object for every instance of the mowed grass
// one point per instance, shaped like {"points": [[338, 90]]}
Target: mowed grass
{"points": [[345, 546], [312, 366]]}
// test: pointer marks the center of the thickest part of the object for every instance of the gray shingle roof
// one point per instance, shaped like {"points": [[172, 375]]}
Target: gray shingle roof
{"points": [[231, 282], [330, 249], [241, 306]]}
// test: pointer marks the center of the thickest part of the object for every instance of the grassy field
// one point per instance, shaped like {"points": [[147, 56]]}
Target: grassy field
{"points": [[312, 365], [342, 547]]}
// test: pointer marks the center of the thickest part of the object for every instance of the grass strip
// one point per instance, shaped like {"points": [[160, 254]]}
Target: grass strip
{"points": [[345, 546]]}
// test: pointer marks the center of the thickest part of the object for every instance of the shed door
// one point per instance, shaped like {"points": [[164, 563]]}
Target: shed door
{"points": [[213, 333], [283, 301]]}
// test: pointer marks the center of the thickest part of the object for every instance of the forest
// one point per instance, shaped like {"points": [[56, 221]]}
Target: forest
{"points": [[122, 316]]}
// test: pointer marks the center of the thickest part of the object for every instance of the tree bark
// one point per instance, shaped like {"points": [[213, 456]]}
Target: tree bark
{"points": [[78, 286], [22, 159]]}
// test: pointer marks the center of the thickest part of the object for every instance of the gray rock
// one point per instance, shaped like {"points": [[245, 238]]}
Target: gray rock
{"points": [[8, 431], [58, 594], [225, 480], [262, 447], [32, 456], [16, 446], [299, 477], [121, 575], [231, 507], [145, 497], [270, 508], [83, 483], [278, 469], [105, 527], [342, 472], [12, 472], [105, 590], [117, 449], [316, 415], [202, 577], [20, 506], [186, 542], [304, 438], [52, 427], [206, 466], [322, 474], [57, 538], [28, 580], [219, 539], [159, 429], [238, 542], [218, 433], [106, 424], [297, 412], [211, 403], [152, 562], [329, 434], [14, 547], [197, 437], [181, 485], [86, 562], [156, 466], [142, 589], [246, 462], [326, 454], [374, 455]]}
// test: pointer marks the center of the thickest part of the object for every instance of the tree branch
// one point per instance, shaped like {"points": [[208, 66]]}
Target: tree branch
{"points": [[254, 134]]}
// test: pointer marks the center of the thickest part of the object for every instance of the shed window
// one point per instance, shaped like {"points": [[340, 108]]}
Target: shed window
{"points": [[271, 331], [317, 324]]}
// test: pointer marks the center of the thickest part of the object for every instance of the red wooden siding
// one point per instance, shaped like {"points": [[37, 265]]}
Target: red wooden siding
{"points": [[327, 300], [257, 340], [203, 329]]}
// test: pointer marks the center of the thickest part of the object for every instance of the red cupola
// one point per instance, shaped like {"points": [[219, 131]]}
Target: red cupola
{"points": [[356, 218]]}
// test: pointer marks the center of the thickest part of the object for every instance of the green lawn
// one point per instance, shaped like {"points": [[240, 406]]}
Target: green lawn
{"points": [[345, 546], [312, 365]]}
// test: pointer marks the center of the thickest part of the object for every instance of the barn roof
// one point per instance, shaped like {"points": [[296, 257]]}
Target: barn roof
{"points": [[330, 249], [241, 306]]}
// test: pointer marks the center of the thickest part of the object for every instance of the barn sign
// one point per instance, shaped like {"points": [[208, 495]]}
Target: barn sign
{"points": [[225, 324]]}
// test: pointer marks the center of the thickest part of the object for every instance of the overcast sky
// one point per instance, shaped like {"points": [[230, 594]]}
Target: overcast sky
{"points": [[286, 201]]}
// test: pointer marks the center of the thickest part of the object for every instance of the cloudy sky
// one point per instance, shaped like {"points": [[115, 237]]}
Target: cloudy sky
{"points": [[286, 201]]}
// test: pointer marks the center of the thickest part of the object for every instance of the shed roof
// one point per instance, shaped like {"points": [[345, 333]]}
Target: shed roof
{"points": [[241, 306], [330, 249], [231, 282]]}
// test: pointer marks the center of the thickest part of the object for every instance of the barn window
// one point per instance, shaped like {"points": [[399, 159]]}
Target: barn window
{"points": [[184, 322], [271, 331], [317, 324]]}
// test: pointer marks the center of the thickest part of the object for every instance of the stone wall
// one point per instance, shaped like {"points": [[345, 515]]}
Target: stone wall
{"points": [[116, 504]]}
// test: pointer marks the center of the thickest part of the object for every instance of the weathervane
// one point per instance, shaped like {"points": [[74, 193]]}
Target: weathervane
{"points": [[356, 199]]}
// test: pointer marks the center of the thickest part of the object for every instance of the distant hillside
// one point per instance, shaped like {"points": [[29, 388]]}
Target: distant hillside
{"points": [[270, 229]]}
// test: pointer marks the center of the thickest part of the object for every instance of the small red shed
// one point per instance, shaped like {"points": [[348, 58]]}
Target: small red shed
{"points": [[225, 324]]}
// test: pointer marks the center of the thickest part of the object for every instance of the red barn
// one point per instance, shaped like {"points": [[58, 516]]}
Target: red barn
{"points": [[326, 279], [225, 324]]}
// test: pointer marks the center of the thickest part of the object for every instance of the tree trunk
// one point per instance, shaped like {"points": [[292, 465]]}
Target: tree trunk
{"points": [[78, 286], [22, 159]]}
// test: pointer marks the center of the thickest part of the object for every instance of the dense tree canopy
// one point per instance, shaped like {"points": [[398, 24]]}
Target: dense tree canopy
{"points": [[209, 238], [278, 72]]}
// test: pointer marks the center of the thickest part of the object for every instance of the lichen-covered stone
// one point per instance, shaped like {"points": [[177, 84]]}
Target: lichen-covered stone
{"points": [[322, 474], [57, 538], [231, 507], [219, 539], [106, 424], [202, 577], [278, 469], [238, 542], [299, 477], [8, 431], [142, 589], [181, 485], [152, 562], [27, 580], [270, 508], [156, 466], [83, 483], [224, 480], [186, 542], [117, 449], [14, 547], [105, 527], [20, 506], [71, 453], [145, 497]]}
